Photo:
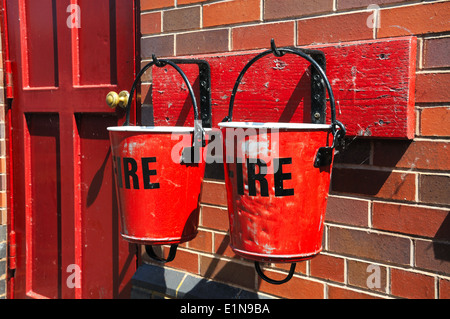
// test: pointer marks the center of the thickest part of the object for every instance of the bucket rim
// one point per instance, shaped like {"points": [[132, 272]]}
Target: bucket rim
{"points": [[276, 125], [155, 129]]}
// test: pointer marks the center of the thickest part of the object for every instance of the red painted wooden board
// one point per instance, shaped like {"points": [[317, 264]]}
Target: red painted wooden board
{"points": [[373, 83]]}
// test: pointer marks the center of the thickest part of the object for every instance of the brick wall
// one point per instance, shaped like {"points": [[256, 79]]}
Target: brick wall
{"points": [[387, 228], [3, 206]]}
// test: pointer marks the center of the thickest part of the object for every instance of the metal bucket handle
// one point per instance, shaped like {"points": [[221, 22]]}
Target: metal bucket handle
{"points": [[324, 154], [199, 133], [279, 52]]}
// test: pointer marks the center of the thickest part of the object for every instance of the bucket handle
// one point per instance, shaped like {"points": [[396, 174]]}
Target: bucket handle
{"points": [[338, 135], [272, 281], [151, 253], [199, 133]]}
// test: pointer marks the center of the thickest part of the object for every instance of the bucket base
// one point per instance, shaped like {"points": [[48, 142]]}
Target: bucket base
{"points": [[275, 258], [157, 241]]}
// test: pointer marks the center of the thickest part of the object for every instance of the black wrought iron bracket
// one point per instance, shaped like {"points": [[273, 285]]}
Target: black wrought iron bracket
{"points": [[318, 91], [204, 71]]}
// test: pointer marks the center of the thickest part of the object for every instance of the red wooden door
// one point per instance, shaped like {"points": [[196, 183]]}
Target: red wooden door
{"points": [[66, 56]]}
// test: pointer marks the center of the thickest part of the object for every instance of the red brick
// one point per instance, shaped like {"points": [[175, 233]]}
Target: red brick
{"points": [[415, 19], [296, 288], [256, 37], [444, 289], [434, 189], [151, 23], [381, 184], [3, 216], [335, 28], [215, 217], [360, 274], [435, 53], [411, 285], [227, 271], [206, 41], [434, 121], [275, 9], [429, 155], [369, 245], [156, 4], [162, 46], [181, 2], [186, 260], [231, 12], [344, 293], [213, 193], [352, 4], [432, 87], [3, 165], [433, 255], [300, 266], [3, 199], [327, 267], [181, 19], [356, 152], [421, 221], [2, 146], [347, 211], [203, 241]]}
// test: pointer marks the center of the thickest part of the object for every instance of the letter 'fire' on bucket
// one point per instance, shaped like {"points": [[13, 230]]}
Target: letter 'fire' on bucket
{"points": [[158, 191], [277, 178]]}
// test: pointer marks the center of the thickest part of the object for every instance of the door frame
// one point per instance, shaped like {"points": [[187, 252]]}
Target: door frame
{"points": [[8, 97]]}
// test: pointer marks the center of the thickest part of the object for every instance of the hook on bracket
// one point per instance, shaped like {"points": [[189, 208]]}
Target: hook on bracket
{"points": [[275, 50], [157, 62]]}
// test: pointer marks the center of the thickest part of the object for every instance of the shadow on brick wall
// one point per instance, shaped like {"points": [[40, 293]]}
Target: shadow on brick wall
{"points": [[441, 250], [376, 179]]}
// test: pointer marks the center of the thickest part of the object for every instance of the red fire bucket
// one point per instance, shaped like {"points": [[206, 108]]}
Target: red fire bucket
{"points": [[158, 183], [277, 178]]}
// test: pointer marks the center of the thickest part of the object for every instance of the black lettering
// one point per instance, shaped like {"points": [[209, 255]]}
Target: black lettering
{"points": [[279, 177], [253, 177], [118, 170], [130, 172], [240, 177], [146, 172]]}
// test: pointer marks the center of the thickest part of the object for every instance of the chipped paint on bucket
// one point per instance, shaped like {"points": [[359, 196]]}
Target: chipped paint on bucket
{"points": [[158, 196]]}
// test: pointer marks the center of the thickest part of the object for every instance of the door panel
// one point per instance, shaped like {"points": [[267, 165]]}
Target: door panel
{"points": [[99, 237], [97, 69], [64, 204], [43, 208], [39, 43]]}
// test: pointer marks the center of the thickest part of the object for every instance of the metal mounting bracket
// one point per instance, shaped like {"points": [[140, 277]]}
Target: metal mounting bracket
{"points": [[318, 91], [205, 88]]}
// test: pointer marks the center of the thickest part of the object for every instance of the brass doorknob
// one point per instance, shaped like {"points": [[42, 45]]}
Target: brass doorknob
{"points": [[113, 99]]}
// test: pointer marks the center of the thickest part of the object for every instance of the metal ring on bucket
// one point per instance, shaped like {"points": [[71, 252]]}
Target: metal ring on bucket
{"points": [[172, 252], [272, 281]]}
